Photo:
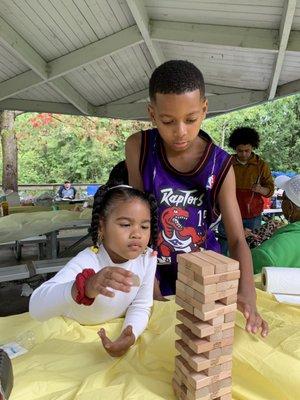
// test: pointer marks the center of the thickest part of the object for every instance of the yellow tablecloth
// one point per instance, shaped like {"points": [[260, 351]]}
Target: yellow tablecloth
{"points": [[68, 362]]}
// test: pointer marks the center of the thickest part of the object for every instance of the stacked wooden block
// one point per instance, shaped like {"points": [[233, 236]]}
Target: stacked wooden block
{"points": [[206, 290]]}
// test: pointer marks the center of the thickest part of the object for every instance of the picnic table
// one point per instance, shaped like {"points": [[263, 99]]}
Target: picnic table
{"points": [[50, 224]]}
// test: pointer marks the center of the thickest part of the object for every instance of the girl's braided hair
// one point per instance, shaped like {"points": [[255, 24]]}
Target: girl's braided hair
{"points": [[110, 193]]}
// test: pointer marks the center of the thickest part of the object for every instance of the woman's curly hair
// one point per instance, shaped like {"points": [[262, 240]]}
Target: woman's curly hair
{"points": [[244, 135]]}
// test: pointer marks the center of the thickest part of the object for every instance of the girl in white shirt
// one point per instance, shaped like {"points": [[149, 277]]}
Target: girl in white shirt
{"points": [[113, 279]]}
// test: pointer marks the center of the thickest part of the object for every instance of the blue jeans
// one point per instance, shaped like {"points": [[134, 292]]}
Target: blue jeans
{"points": [[250, 223]]}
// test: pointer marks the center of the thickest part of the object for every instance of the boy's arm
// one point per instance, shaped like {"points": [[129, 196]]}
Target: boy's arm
{"points": [[240, 251], [133, 151]]}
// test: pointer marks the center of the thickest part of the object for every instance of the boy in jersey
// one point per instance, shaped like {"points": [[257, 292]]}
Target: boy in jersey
{"points": [[192, 180]]}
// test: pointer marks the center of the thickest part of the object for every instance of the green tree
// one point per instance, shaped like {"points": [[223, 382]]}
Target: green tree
{"points": [[278, 123]]}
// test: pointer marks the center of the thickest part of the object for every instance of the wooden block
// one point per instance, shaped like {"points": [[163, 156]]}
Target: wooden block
{"points": [[204, 289], [198, 362], [216, 278], [227, 285], [184, 278], [208, 392], [198, 327], [201, 301], [211, 396], [220, 353], [225, 397], [220, 266], [231, 299], [216, 321], [189, 261], [226, 350], [211, 265], [227, 333], [232, 265], [226, 366], [227, 382], [184, 288], [181, 377], [220, 392], [203, 307], [195, 379], [229, 317], [179, 390], [219, 309], [199, 345], [208, 298], [213, 370], [222, 331], [182, 303], [215, 336], [188, 273]]}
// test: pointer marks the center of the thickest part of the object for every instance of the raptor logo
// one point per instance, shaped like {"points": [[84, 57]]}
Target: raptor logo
{"points": [[174, 236]]}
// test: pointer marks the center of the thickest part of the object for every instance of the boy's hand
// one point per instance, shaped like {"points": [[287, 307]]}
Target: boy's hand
{"points": [[119, 346], [254, 322], [113, 277]]}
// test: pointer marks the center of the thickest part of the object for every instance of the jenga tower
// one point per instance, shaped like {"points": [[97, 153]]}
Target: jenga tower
{"points": [[206, 289]]}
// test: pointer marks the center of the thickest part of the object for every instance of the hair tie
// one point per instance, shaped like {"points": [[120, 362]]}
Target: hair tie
{"points": [[121, 186], [95, 249]]}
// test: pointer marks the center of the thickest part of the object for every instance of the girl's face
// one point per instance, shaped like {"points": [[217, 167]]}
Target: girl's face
{"points": [[178, 118], [126, 230]]}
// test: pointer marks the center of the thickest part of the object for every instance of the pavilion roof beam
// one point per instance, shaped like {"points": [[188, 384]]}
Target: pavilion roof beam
{"points": [[70, 62], [220, 35], [217, 104], [10, 38], [33, 60], [289, 88], [139, 13], [284, 34], [210, 89]]}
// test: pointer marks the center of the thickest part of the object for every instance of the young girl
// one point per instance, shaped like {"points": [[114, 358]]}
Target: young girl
{"points": [[116, 278]]}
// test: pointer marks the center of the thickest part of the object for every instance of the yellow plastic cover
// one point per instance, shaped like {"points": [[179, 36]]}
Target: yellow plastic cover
{"points": [[68, 361]]}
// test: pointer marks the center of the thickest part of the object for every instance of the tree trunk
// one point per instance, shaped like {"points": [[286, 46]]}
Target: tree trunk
{"points": [[9, 151]]}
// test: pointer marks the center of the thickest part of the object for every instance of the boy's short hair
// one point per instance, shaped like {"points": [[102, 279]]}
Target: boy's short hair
{"points": [[244, 135], [176, 76]]}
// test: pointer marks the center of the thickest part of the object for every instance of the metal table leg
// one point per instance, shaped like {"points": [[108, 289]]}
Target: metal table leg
{"points": [[51, 244]]}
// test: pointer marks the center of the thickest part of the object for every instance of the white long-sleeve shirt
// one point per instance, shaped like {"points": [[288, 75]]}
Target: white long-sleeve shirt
{"points": [[53, 298]]}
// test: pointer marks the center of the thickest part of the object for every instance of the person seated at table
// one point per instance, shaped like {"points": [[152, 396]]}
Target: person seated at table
{"points": [[283, 248], [109, 280], [67, 191]]}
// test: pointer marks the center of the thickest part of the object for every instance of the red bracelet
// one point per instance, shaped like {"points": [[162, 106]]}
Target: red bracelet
{"points": [[80, 280]]}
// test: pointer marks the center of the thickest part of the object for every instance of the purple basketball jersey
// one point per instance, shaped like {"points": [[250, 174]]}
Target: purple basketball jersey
{"points": [[186, 201]]}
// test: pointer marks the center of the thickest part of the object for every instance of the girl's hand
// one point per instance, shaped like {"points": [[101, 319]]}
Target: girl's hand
{"points": [[119, 346], [114, 277], [157, 293], [254, 322]]}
